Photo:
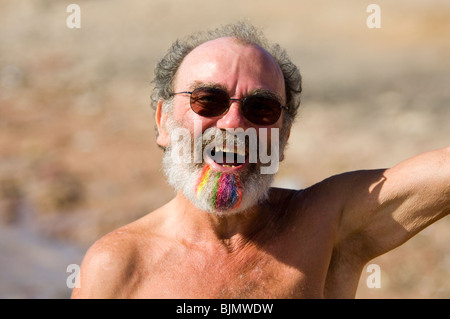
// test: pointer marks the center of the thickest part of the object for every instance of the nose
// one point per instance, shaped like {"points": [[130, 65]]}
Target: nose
{"points": [[233, 118]]}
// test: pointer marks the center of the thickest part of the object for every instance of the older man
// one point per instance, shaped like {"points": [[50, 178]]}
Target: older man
{"points": [[227, 233]]}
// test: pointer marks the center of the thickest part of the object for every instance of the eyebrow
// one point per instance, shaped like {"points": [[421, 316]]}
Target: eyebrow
{"points": [[200, 84], [259, 92], [266, 93]]}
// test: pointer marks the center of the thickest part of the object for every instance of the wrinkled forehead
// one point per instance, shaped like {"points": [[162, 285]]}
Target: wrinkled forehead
{"points": [[237, 65]]}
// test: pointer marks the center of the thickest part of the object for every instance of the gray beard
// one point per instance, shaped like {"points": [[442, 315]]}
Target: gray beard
{"points": [[185, 179], [249, 186]]}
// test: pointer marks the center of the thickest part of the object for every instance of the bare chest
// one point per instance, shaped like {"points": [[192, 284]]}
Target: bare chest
{"points": [[261, 276]]}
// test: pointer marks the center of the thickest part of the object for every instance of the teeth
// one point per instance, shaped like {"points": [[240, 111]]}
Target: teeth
{"points": [[238, 151]]}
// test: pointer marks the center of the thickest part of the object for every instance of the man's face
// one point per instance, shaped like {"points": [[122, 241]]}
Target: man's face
{"points": [[240, 70]]}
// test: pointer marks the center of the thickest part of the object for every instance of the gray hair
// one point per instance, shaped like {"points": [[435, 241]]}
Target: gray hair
{"points": [[167, 67]]}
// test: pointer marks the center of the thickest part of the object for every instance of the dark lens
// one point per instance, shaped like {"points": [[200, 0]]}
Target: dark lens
{"points": [[261, 110], [209, 102]]}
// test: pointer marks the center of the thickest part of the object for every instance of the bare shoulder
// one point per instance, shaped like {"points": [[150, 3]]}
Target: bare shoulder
{"points": [[318, 205], [104, 266], [109, 265]]}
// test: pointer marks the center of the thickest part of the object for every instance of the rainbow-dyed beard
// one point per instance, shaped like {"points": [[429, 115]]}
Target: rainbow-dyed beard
{"points": [[223, 191], [217, 192], [214, 191]]}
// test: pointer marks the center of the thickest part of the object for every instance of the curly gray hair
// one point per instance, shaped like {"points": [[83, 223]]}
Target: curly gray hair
{"points": [[167, 67]]}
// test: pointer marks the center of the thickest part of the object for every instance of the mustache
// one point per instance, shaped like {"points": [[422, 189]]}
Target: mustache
{"points": [[215, 137], [234, 146]]}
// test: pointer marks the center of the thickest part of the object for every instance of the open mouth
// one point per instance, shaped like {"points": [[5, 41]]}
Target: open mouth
{"points": [[227, 157]]}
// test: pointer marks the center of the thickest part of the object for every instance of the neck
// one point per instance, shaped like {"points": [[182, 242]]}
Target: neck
{"points": [[233, 231]]}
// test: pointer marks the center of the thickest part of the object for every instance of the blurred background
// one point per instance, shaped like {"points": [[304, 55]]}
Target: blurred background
{"points": [[77, 146]]}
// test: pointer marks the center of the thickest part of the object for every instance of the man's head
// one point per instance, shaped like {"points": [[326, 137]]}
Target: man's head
{"points": [[253, 86], [167, 68]]}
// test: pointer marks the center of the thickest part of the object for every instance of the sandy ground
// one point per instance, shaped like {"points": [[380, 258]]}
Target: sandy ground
{"points": [[77, 151]]}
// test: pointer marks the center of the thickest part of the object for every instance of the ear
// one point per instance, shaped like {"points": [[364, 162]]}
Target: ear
{"points": [[161, 117], [288, 134]]}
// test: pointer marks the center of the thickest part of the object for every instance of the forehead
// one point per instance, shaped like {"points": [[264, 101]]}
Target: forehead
{"points": [[239, 67]]}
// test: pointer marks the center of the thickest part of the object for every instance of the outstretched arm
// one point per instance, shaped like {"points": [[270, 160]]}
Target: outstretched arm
{"points": [[382, 209]]}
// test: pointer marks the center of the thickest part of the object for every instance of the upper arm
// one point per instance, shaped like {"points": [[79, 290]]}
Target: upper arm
{"points": [[384, 208]]}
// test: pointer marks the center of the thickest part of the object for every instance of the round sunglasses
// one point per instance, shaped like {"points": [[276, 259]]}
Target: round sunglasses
{"points": [[211, 102]]}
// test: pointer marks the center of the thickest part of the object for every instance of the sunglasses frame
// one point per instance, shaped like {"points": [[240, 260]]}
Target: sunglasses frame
{"points": [[231, 100]]}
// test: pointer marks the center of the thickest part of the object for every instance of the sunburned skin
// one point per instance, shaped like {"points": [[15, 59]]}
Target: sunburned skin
{"points": [[266, 242]]}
